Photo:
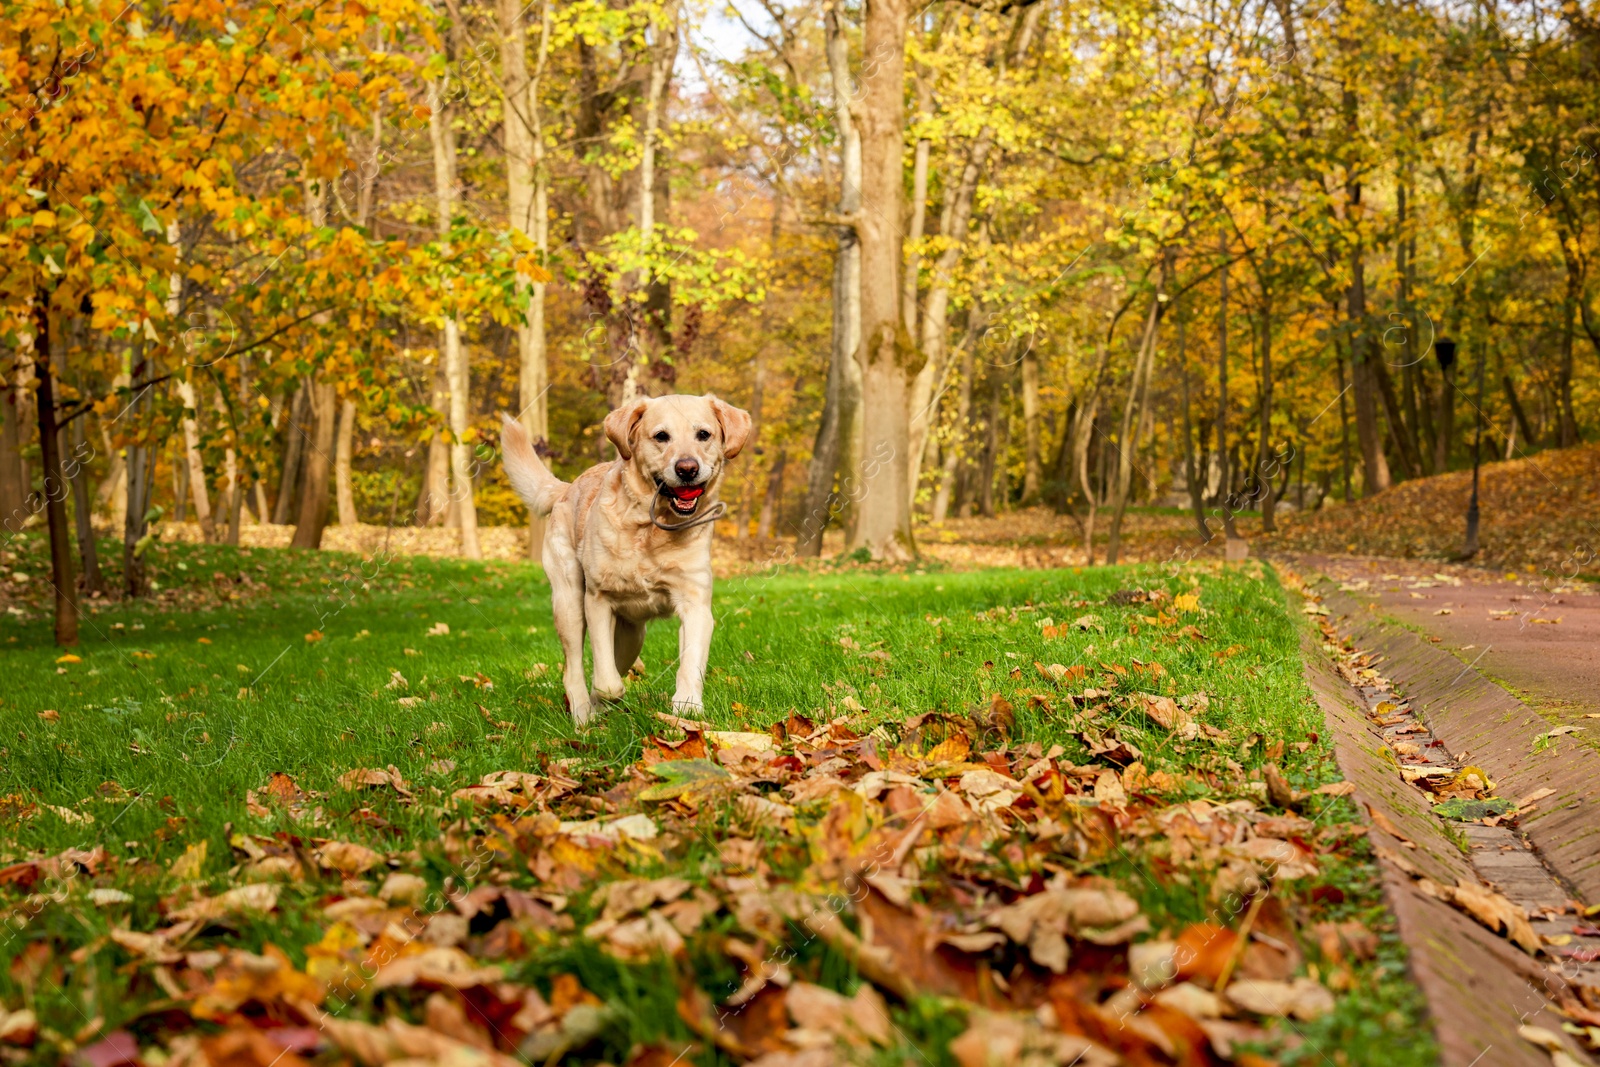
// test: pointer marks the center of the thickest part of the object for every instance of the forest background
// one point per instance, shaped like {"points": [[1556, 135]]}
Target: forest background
{"points": [[288, 262]]}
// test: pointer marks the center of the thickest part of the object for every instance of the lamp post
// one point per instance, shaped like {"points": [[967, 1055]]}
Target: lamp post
{"points": [[1471, 548]]}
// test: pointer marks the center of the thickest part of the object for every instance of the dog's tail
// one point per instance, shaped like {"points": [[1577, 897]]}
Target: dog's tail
{"points": [[530, 478]]}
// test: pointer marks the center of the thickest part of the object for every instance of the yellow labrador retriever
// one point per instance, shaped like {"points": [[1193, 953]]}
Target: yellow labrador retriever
{"points": [[630, 540]]}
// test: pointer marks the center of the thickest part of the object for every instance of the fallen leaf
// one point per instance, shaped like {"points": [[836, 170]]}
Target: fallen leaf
{"points": [[347, 858], [1303, 998], [367, 777], [855, 1020], [1164, 710], [995, 1040], [1384, 823], [685, 779], [1103, 915], [1463, 810]]}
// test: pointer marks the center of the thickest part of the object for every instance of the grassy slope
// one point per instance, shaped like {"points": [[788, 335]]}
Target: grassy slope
{"points": [[177, 730], [1538, 513]]}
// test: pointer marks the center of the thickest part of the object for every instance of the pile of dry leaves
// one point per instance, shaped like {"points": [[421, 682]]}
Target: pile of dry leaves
{"points": [[936, 857]]}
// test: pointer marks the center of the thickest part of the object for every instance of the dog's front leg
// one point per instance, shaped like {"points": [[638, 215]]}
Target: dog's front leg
{"points": [[694, 649], [602, 642]]}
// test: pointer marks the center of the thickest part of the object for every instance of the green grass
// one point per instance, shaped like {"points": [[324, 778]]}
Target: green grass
{"points": [[172, 716]]}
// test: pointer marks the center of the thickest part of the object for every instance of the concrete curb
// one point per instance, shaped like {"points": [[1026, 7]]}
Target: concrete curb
{"points": [[1479, 987], [1473, 715]]}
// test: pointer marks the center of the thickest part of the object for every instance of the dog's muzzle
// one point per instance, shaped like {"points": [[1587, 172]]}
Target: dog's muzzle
{"points": [[683, 499]]}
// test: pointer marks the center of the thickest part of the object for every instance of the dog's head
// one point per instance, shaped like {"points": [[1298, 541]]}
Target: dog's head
{"points": [[679, 444]]}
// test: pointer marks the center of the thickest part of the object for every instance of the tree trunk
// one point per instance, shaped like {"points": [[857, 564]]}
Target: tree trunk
{"points": [[741, 526], [1032, 467], [1225, 492], [991, 449], [1567, 423], [1344, 426], [433, 503], [76, 467], [1516, 410], [1082, 438], [343, 452], [888, 360], [55, 480], [141, 476], [933, 342], [1132, 418], [462, 499], [14, 485], [527, 196], [229, 502], [1264, 455], [933, 338], [198, 491], [837, 443], [1191, 469], [294, 444], [313, 515], [454, 356], [955, 448], [113, 492], [774, 496], [1364, 379]]}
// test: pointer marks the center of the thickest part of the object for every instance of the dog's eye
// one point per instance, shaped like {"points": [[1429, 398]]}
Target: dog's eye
{"points": [[703, 435], [663, 436]]}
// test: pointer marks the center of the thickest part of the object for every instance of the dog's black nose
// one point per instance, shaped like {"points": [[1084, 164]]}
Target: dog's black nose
{"points": [[687, 469]]}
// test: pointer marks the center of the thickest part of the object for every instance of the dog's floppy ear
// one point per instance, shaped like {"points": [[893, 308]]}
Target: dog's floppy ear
{"points": [[735, 424], [621, 424]]}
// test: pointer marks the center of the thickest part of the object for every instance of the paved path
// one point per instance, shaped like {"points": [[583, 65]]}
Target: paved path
{"points": [[1539, 639]]}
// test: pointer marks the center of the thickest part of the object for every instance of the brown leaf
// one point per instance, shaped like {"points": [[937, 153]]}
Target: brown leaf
{"points": [[1015, 1040], [1495, 911], [855, 1020], [435, 968], [347, 858], [246, 1046], [1345, 940], [1384, 823], [1002, 718], [900, 957], [692, 746], [567, 992], [1164, 710], [396, 1040], [282, 788], [1102, 914], [1278, 789], [1304, 998], [1203, 951], [757, 1025], [366, 777]]}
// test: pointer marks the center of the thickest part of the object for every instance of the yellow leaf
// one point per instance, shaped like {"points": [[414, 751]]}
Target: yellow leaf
{"points": [[69, 658], [188, 867]]}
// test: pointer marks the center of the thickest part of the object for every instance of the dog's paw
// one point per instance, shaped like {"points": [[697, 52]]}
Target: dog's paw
{"points": [[687, 703], [582, 715], [608, 696]]}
